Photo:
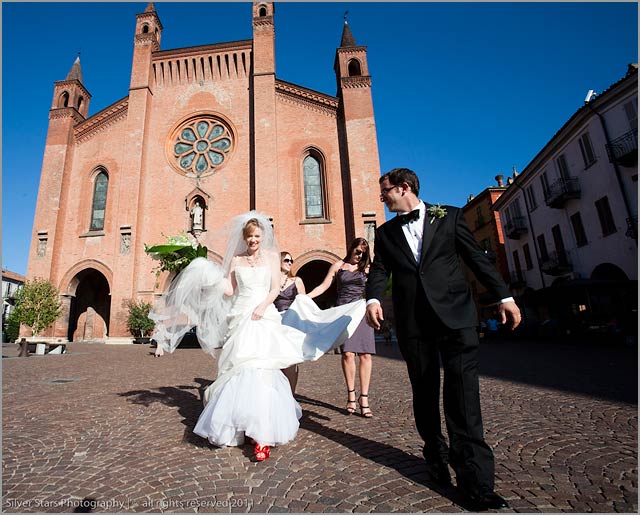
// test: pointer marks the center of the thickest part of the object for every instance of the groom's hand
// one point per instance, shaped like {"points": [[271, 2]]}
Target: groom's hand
{"points": [[374, 315], [511, 311]]}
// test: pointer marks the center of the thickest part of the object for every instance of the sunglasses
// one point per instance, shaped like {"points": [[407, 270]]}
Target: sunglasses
{"points": [[287, 260], [358, 252]]}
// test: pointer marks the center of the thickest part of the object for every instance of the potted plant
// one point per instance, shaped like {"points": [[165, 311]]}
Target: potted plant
{"points": [[138, 321]]}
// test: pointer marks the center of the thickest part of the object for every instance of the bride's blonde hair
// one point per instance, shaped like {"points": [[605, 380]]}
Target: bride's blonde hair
{"points": [[253, 222]]}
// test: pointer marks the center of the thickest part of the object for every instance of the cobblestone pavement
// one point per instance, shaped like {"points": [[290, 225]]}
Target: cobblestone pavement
{"points": [[109, 428]]}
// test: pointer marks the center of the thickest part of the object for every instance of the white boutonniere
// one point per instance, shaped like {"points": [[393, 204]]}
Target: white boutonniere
{"points": [[436, 212]]}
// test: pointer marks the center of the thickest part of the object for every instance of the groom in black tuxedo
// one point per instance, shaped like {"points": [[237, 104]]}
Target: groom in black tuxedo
{"points": [[436, 320]]}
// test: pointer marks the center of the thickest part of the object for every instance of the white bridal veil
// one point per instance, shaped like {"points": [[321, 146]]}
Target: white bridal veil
{"points": [[196, 296]]}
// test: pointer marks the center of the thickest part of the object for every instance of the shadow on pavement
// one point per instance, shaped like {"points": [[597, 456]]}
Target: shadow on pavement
{"points": [[594, 369], [189, 406], [307, 400], [406, 464], [183, 397], [597, 369]]}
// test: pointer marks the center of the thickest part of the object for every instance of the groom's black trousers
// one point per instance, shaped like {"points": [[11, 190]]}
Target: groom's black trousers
{"points": [[422, 348]]}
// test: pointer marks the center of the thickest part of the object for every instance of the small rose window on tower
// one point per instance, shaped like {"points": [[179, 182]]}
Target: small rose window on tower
{"points": [[200, 146]]}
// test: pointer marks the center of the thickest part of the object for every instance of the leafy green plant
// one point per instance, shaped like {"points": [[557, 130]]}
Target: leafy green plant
{"points": [[176, 254], [12, 330], [37, 305], [138, 321]]}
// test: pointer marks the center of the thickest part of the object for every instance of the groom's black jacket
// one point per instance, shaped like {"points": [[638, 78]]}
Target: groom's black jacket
{"points": [[439, 274]]}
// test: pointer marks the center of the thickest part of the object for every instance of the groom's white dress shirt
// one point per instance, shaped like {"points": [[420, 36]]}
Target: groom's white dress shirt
{"points": [[413, 234]]}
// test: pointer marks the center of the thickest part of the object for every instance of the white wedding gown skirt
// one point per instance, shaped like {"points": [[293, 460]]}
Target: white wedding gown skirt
{"points": [[251, 396]]}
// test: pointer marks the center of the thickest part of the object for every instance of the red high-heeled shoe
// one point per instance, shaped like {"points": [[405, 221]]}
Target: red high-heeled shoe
{"points": [[261, 452]]}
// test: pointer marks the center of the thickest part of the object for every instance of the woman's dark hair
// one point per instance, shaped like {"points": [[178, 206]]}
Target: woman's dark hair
{"points": [[366, 257], [397, 176], [282, 255]]}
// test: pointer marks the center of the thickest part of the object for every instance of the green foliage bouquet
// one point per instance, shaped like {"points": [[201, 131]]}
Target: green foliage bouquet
{"points": [[176, 253]]}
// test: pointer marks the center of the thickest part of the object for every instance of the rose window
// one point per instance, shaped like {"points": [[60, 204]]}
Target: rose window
{"points": [[200, 146]]}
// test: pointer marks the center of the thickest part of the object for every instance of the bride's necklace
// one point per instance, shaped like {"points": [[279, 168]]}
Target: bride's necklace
{"points": [[253, 260]]}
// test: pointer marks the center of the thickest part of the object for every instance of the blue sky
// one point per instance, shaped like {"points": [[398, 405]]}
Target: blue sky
{"points": [[461, 91]]}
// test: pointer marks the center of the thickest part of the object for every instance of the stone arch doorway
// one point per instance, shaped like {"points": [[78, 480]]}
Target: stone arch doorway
{"points": [[608, 272], [312, 269], [90, 306]]}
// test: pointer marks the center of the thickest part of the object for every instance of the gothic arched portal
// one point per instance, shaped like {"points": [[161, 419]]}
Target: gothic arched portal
{"points": [[312, 274], [90, 306]]}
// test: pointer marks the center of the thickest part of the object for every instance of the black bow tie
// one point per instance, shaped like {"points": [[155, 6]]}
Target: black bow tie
{"points": [[410, 217]]}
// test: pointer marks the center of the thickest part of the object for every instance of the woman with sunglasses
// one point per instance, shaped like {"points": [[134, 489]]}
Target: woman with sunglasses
{"points": [[350, 275], [290, 287]]}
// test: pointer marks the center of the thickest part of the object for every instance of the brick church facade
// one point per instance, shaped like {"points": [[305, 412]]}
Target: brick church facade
{"points": [[205, 133]]}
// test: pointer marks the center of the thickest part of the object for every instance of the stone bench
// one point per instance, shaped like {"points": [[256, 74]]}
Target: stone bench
{"points": [[47, 348]]}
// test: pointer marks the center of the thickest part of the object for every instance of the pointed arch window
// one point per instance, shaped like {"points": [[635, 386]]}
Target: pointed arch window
{"points": [[64, 99], [262, 11], [313, 176], [354, 68], [145, 28], [99, 203]]}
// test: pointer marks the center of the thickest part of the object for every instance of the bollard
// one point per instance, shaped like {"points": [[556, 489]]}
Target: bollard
{"points": [[24, 348]]}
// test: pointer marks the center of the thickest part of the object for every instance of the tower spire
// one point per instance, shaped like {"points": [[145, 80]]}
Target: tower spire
{"points": [[150, 8], [347, 37], [75, 73]]}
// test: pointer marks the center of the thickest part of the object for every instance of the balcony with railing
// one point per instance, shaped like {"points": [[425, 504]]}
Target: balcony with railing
{"points": [[515, 227], [561, 191], [624, 149], [556, 263], [518, 280]]}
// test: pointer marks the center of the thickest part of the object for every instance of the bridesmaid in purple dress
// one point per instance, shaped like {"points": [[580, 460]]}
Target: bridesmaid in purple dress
{"points": [[290, 286], [350, 275]]}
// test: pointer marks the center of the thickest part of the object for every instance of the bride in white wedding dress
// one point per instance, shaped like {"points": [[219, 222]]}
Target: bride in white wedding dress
{"points": [[233, 309]]}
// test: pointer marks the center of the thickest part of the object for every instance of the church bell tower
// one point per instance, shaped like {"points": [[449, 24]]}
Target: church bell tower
{"points": [[69, 107], [356, 130]]}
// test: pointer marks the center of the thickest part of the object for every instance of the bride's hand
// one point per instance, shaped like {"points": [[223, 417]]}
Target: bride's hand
{"points": [[258, 312]]}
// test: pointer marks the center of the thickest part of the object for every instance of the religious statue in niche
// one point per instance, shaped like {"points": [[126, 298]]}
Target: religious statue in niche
{"points": [[125, 243], [197, 217]]}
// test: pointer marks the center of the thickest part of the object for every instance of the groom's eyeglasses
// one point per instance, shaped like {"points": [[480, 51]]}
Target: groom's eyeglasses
{"points": [[288, 260], [385, 191]]}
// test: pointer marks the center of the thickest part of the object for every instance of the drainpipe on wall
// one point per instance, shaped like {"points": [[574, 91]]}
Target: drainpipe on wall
{"points": [[627, 204], [533, 236]]}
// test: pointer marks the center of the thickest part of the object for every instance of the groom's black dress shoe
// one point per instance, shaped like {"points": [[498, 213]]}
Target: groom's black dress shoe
{"points": [[438, 473], [487, 501]]}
